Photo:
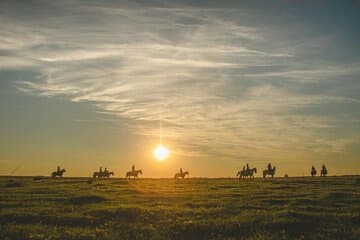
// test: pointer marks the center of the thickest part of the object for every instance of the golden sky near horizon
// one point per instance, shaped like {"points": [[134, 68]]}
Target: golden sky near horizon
{"points": [[84, 85]]}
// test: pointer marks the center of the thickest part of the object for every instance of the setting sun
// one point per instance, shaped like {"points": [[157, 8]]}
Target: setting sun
{"points": [[161, 153]]}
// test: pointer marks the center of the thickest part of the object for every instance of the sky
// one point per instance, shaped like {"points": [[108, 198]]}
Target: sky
{"points": [[85, 84]]}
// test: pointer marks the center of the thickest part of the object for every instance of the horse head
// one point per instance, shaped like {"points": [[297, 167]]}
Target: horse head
{"points": [[139, 171]]}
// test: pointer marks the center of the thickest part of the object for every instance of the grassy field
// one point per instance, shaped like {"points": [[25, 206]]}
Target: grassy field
{"points": [[292, 208]]}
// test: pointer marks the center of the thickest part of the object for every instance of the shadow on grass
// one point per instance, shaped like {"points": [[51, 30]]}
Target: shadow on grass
{"points": [[13, 184], [128, 214], [86, 199], [48, 220]]}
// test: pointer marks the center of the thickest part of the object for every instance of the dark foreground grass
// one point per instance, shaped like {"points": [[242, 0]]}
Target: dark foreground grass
{"points": [[292, 208]]}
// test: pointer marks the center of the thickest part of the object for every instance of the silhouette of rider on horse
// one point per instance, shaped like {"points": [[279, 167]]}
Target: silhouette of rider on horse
{"points": [[323, 171]]}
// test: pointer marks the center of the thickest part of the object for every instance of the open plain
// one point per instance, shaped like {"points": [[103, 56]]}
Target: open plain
{"points": [[80, 208]]}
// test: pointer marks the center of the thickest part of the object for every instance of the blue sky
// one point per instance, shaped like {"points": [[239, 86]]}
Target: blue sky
{"points": [[85, 83]]}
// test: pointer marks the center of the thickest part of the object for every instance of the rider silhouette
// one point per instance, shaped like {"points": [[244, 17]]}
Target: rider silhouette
{"points": [[323, 168], [100, 169], [313, 168], [269, 167], [247, 167], [58, 168], [105, 170], [133, 168], [181, 170]]}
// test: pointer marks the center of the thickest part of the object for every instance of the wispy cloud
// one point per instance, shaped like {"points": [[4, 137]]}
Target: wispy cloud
{"points": [[216, 85]]}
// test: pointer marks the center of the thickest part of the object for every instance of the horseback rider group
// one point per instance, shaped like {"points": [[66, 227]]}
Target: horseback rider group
{"points": [[247, 168], [102, 174], [101, 171], [244, 173], [249, 172], [323, 172]]}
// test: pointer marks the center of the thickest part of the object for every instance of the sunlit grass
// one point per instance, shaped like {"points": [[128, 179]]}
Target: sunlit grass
{"points": [[180, 209]]}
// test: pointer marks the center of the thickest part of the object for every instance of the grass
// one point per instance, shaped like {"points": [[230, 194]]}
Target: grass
{"points": [[287, 208]]}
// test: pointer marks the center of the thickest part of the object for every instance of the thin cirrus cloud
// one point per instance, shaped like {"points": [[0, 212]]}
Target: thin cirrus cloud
{"points": [[229, 87]]}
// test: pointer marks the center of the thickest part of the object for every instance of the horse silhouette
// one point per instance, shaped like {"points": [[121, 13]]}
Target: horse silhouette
{"points": [[181, 175], [313, 172], [246, 173], [134, 174], [251, 172], [270, 172], [58, 173], [241, 174], [323, 172], [104, 174]]}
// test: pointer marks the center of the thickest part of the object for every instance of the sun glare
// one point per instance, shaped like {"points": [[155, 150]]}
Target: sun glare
{"points": [[161, 153]]}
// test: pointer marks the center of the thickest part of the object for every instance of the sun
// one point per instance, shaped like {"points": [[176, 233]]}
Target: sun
{"points": [[161, 153]]}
